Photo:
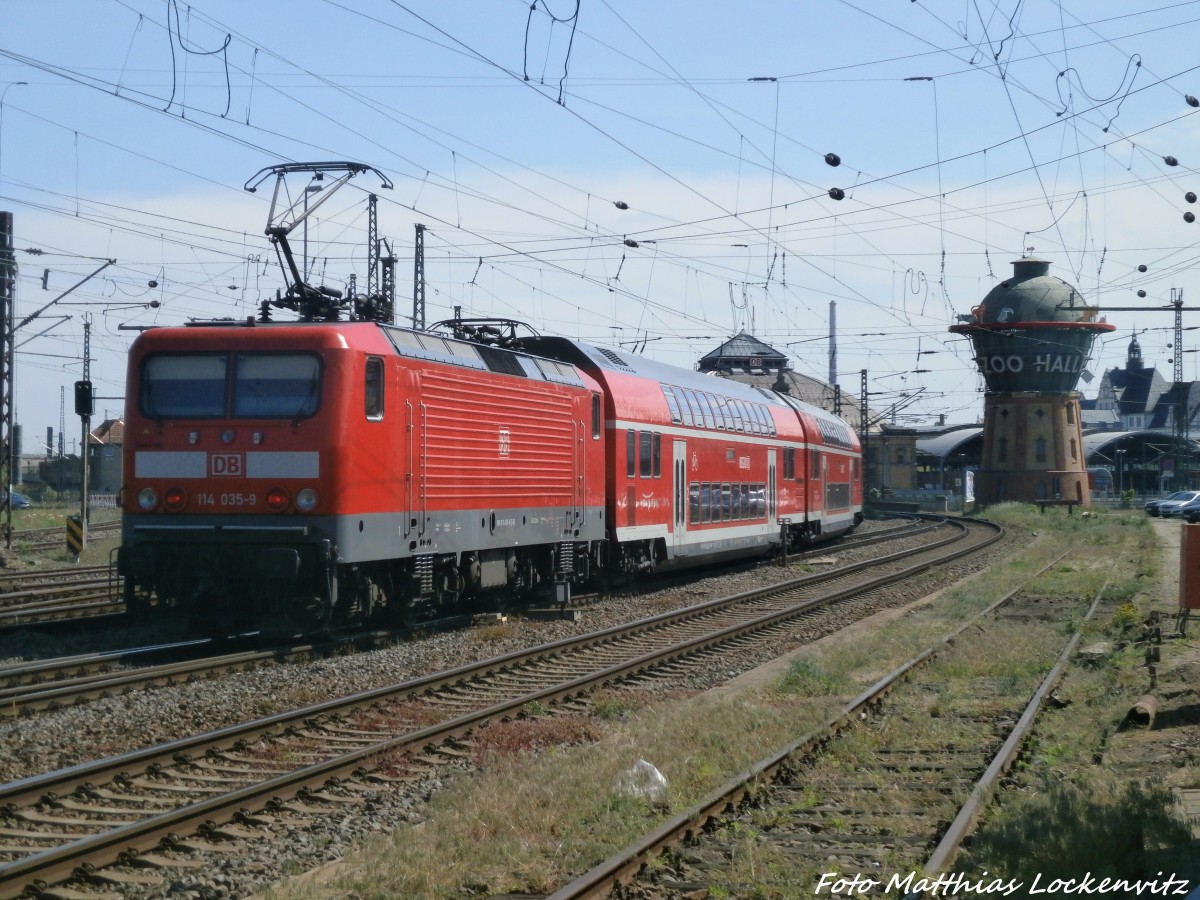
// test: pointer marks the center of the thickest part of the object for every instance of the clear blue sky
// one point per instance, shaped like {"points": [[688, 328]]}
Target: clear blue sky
{"points": [[967, 133]]}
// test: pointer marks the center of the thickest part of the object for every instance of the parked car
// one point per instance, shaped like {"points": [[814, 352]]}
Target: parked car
{"points": [[19, 501], [1170, 509], [1151, 506], [1190, 511]]}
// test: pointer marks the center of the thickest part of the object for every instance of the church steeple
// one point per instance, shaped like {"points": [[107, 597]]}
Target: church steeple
{"points": [[1133, 362]]}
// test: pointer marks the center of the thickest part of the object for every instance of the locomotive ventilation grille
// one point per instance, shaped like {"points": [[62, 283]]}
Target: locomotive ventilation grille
{"points": [[566, 557]]}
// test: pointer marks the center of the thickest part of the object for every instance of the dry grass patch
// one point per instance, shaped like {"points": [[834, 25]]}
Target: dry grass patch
{"points": [[531, 735], [531, 821]]}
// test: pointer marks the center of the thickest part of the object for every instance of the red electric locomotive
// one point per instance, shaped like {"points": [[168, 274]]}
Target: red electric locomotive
{"points": [[296, 477]]}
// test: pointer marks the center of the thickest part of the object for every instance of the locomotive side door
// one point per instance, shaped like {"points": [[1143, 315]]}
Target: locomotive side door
{"points": [[679, 497], [410, 464], [414, 478], [578, 468]]}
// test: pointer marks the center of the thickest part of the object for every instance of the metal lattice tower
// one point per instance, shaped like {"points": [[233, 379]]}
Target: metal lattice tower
{"points": [[8, 288], [418, 315], [372, 245], [387, 282]]}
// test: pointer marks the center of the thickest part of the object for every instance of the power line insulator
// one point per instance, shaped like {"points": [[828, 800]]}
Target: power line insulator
{"points": [[620, 204], [1142, 294], [837, 193], [1190, 196], [1142, 267], [833, 159], [1170, 160], [630, 242], [1189, 217], [1191, 101]]}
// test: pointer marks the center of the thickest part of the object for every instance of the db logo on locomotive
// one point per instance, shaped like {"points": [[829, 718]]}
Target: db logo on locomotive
{"points": [[226, 465]]}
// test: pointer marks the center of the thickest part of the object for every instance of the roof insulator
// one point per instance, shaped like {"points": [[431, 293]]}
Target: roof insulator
{"points": [[837, 193], [833, 159]]}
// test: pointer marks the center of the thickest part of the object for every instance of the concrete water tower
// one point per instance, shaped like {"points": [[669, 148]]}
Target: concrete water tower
{"points": [[1032, 336]]}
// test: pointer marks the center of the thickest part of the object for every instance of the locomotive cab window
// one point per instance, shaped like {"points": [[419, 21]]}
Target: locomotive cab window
{"points": [[595, 417], [373, 389], [186, 386], [202, 386], [276, 385]]}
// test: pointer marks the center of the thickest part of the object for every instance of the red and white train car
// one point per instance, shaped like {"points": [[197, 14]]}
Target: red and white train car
{"points": [[702, 467]]}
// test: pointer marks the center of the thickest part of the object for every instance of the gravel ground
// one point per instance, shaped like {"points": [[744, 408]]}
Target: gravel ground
{"points": [[105, 727]]}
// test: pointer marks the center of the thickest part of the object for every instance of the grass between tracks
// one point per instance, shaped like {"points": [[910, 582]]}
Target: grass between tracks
{"points": [[539, 805]]}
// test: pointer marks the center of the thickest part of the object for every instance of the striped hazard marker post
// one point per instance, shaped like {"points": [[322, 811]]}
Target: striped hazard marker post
{"points": [[75, 539]]}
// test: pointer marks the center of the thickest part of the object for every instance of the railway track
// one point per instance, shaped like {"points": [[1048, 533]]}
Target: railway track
{"points": [[55, 537], [123, 817], [49, 684], [69, 594], [877, 801]]}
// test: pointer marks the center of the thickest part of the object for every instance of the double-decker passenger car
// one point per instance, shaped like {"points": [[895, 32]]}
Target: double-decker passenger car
{"points": [[702, 467]]}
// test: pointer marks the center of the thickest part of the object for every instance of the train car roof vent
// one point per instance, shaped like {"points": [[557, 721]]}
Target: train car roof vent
{"points": [[612, 357]]}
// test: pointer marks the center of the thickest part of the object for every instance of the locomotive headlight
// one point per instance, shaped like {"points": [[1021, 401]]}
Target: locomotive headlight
{"points": [[306, 500], [175, 499], [277, 499], [147, 498]]}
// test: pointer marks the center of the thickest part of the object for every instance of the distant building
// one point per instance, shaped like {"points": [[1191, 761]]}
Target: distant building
{"points": [[1141, 398], [104, 456], [746, 359]]}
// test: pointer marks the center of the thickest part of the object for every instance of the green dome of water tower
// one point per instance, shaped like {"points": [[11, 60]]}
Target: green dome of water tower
{"points": [[1032, 332]]}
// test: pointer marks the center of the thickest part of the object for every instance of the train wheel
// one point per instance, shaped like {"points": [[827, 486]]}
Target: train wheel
{"points": [[310, 614], [137, 603]]}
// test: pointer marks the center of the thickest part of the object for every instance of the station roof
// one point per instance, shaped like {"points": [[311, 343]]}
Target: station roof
{"points": [[948, 442]]}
